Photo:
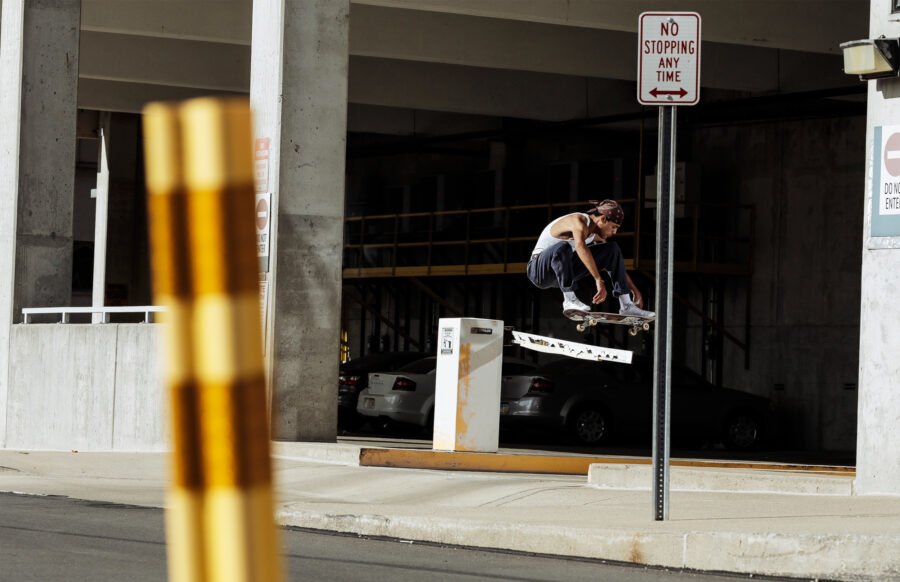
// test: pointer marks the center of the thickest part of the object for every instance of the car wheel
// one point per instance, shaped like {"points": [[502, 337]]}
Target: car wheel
{"points": [[590, 425], [743, 431]]}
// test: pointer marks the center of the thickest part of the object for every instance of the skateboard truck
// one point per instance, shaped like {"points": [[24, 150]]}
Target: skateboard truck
{"points": [[633, 330], [588, 319]]}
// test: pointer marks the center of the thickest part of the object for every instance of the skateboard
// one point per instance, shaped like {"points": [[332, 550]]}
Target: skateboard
{"points": [[588, 319]]}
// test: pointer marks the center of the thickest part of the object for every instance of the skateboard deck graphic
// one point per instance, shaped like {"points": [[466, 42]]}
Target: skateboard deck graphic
{"points": [[588, 319]]}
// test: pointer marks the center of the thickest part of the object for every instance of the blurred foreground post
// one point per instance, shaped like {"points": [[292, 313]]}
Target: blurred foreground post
{"points": [[220, 522]]}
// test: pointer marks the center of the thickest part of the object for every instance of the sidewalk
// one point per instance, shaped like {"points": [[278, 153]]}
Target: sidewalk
{"points": [[823, 532]]}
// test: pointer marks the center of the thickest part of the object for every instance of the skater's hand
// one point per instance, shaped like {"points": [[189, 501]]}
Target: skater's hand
{"points": [[600, 296]]}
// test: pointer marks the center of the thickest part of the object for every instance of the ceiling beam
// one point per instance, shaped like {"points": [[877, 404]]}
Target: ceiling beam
{"points": [[479, 91], [165, 61], [130, 97], [389, 33], [431, 58], [224, 21], [802, 25]]}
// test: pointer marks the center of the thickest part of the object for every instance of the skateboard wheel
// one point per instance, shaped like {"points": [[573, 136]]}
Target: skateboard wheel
{"points": [[580, 327], [593, 322], [646, 326], [633, 331]]}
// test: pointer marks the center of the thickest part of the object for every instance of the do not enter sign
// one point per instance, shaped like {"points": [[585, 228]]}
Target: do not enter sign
{"points": [[892, 154], [669, 58], [263, 227], [262, 214], [885, 209], [889, 202]]}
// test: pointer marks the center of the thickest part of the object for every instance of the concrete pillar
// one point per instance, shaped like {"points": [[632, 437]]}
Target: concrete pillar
{"points": [[38, 76], [298, 91], [11, 21], [878, 429]]}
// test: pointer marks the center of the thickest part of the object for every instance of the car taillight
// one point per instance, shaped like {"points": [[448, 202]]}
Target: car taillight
{"points": [[349, 380], [541, 386], [404, 384]]}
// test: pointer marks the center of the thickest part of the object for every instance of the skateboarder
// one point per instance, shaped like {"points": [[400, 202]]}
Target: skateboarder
{"points": [[577, 245]]}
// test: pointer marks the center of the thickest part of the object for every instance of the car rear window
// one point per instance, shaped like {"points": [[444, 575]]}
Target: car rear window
{"points": [[421, 367]]}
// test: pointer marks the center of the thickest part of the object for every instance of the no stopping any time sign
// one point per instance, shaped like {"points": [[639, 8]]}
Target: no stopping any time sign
{"points": [[669, 58]]}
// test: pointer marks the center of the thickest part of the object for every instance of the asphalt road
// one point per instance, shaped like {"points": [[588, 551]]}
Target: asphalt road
{"points": [[61, 539]]}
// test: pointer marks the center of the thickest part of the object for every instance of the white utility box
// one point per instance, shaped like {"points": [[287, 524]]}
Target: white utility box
{"points": [[467, 391]]}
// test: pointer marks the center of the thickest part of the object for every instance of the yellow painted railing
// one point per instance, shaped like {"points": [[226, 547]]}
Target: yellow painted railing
{"points": [[498, 240]]}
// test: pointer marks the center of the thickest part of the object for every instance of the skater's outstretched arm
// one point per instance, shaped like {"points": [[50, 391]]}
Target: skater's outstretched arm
{"points": [[574, 226]]}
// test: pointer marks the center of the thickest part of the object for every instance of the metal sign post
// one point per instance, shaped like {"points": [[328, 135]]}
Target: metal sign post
{"points": [[668, 75], [665, 223]]}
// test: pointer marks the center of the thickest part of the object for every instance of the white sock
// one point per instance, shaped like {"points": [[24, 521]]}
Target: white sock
{"points": [[625, 300], [570, 296]]}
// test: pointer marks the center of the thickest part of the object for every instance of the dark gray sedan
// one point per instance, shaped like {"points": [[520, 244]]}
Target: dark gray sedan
{"points": [[594, 402]]}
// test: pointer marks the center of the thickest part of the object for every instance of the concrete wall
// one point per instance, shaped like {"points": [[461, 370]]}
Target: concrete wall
{"points": [[12, 16], [803, 179], [878, 448], [85, 388]]}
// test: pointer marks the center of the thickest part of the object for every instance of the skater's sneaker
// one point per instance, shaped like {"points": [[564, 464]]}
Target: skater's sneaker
{"points": [[573, 308], [632, 309]]}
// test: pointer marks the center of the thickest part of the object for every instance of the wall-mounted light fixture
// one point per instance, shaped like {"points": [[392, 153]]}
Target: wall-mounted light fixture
{"points": [[872, 58]]}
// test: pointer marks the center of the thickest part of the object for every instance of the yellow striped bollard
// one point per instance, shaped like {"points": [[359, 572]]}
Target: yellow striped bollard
{"points": [[220, 524]]}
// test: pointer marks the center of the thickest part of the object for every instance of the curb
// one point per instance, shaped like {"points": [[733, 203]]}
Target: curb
{"points": [[771, 554], [334, 453]]}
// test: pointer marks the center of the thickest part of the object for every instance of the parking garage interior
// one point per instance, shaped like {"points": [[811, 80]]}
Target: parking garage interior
{"points": [[442, 225], [459, 149]]}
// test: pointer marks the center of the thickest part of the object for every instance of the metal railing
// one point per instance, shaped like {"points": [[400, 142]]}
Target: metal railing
{"points": [[472, 241], [499, 240], [65, 312]]}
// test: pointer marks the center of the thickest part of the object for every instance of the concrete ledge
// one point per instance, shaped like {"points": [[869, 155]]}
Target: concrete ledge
{"points": [[874, 557], [337, 453], [495, 462], [757, 480], [572, 464]]}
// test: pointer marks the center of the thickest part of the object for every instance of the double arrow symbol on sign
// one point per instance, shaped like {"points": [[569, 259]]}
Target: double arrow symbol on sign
{"points": [[680, 92]]}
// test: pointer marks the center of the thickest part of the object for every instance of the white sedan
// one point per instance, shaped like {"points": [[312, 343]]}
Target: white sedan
{"points": [[406, 396]]}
